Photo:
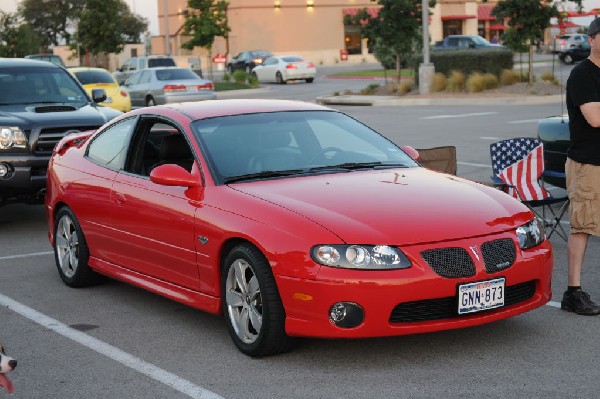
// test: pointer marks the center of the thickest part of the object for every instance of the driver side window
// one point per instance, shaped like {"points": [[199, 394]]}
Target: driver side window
{"points": [[109, 148]]}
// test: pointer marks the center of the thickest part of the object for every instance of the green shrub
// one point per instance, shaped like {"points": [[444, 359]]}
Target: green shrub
{"points": [[226, 77], [240, 77], [439, 82], [253, 81], [370, 89]]}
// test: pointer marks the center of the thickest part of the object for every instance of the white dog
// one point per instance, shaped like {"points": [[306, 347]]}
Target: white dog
{"points": [[7, 364]]}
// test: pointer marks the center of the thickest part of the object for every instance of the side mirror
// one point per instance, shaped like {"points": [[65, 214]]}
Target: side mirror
{"points": [[173, 175], [414, 154], [98, 95]]}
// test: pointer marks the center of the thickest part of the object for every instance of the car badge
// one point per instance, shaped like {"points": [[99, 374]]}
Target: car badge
{"points": [[475, 251], [203, 239]]}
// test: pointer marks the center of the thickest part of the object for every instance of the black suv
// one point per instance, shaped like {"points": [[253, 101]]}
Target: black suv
{"points": [[40, 103]]}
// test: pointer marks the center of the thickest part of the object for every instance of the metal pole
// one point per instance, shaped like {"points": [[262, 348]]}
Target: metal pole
{"points": [[426, 69], [167, 35]]}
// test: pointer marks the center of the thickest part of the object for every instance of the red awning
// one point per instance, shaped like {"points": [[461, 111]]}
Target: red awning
{"points": [[455, 17], [583, 13], [565, 25], [373, 12], [497, 27], [484, 12]]}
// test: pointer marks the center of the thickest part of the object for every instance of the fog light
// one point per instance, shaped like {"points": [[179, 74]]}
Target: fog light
{"points": [[5, 170], [346, 314]]}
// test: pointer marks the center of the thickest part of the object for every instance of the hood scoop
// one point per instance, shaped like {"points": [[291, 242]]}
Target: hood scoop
{"points": [[54, 108]]}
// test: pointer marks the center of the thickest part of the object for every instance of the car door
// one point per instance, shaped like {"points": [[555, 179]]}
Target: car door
{"points": [[132, 87], [268, 70], [153, 223], [144, 87]]}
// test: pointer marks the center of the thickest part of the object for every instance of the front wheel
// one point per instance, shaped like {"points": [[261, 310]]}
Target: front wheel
{"points": [[310, 80], [568, 59], [150, 102], [71, 252], [251, 303]]}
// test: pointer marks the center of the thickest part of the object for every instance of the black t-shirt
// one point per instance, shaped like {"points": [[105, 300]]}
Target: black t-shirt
{"points": [[583, 86]]}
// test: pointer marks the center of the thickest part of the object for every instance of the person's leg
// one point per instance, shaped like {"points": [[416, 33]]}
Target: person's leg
{"points": [[575, 254]]}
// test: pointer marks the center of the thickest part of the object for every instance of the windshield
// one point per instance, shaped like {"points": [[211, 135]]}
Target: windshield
{"points": [[480, 41], [92, 77], [35, 85], [296, 143]]}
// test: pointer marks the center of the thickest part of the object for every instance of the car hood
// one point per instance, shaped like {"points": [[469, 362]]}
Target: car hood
{"points": [[408, 206], [29, 115]]}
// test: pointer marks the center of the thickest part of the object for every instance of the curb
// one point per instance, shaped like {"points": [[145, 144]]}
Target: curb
{"points": [[388, 101]]}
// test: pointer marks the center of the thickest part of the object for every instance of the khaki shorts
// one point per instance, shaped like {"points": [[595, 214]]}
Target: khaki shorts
{"points": [[583, 188]]}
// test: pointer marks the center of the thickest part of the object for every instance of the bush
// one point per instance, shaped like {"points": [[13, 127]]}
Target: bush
{"points": [[253, 81], [405, 87], [469, 61], [509, 77], [490, 81], [439, 82], [548, 77], [240, 77], [370, 89], [456, 81], [475, 83], [226, 77]]}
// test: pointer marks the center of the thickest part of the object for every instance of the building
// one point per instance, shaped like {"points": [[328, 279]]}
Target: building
{"points": [[313, 29]]}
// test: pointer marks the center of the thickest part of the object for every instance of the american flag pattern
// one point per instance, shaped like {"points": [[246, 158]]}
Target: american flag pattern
{"points": [[519, 163]]}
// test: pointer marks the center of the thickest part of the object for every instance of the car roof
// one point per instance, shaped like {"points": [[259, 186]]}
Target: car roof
{"points": [[215, 108], [22, 62]]}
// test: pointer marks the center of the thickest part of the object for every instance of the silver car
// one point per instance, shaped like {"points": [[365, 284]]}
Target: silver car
{"points": [[168, 85]]}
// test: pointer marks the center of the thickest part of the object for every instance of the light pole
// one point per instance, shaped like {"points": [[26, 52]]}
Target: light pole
{"points": [[167, 35], [426, 69]]}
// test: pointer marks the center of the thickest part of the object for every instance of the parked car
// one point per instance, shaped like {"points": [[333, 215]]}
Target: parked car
{"points": [[578, 53], [53, 58], [554, 134], [569, 40], [290, 219], [168, 85], [40, 103], [137, 63], [99, 78], [283, 68], [465, 42], [247, 60]]}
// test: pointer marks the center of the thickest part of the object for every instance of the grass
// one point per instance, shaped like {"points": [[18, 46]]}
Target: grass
{"points": [[223, 86], [376, 73]]}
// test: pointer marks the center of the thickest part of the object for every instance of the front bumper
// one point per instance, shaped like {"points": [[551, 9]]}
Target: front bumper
{"points": [[28, 173], [388, 296]]}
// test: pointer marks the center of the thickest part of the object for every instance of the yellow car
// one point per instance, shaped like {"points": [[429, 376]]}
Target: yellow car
{"points": [[98, 78]]}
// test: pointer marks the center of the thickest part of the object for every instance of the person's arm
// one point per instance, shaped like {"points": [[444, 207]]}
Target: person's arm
{"points": [[591, 113]]}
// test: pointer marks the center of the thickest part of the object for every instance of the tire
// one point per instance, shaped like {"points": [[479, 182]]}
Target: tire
{"points": [[71, 252], [254, 76], [568, 59], [279, 78], [150, 102], [310, 80], [250, 301], [248, 69]]}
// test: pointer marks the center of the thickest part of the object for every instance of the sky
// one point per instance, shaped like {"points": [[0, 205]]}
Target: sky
{"points": [[145, 8], [149, 10]]}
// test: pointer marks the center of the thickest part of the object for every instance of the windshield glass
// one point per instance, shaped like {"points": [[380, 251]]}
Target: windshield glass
{"points": [[480, 41], [299, 143], [31, 85]]}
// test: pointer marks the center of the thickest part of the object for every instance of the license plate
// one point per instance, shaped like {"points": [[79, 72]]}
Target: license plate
{"points": [[481, 295], [192, 89]]}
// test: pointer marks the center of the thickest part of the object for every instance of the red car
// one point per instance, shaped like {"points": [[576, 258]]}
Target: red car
{"points": [[291, 219]]}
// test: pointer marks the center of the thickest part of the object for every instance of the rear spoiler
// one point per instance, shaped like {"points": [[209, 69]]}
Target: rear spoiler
{"points": [[72, 140]]}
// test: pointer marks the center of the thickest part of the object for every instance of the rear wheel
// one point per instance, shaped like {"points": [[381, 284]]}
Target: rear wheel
{"points": [[150, 102], [310, 80], [568, 59], [248, 69], [71, 252], [251, 303], [279, 78]]}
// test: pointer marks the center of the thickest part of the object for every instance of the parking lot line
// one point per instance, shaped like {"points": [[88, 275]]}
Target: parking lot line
{"points": [[148, 369], [26, 255]]}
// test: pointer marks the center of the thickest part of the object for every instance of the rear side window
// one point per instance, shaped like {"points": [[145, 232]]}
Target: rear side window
{"points": [[110, 147], [293, 59], [158, 62], [174, 74]]}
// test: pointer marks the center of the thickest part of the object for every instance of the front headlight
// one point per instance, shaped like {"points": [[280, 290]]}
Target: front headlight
{"points": [[531, 234], [369, 257], [12, 137]]}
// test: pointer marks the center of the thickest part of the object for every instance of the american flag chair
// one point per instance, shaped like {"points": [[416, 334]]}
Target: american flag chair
{"points": [[517, 165]]}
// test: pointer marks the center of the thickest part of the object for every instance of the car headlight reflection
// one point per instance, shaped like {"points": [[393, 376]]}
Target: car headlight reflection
{"points": [[12, 137], [368, 257], [531, 234]]}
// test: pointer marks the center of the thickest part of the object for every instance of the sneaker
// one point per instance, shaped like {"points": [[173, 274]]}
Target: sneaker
{"points": [[579, 302]]}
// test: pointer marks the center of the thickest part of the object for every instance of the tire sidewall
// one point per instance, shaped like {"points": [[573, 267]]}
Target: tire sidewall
{"points": [[82, 275]]}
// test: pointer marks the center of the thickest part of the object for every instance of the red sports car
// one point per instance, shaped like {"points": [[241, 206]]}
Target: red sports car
{"points": [[291, 219]]}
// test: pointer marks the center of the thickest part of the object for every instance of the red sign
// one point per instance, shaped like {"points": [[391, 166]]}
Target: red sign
{"points": [[219, 59]]}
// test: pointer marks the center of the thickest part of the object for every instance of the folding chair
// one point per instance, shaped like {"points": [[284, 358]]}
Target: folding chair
{"points": [[442, 159], [518, 165]]}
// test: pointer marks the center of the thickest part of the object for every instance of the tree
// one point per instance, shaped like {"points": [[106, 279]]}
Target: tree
{"points": [[16, 39], [207, 20], [105, 26], [53, 20], [397, 28], [529, 18]]}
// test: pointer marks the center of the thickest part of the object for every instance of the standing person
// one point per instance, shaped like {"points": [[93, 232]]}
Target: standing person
{"points": [[583, 170]]}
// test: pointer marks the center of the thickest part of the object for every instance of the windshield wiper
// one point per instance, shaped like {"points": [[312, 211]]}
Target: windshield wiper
{"points": [[267, 174], [348, 166]]}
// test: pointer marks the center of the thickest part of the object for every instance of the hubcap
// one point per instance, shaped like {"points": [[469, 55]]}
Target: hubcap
{"points": [[67, 246], [244, 302]]}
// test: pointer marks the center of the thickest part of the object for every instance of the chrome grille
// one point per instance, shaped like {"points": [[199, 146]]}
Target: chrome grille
{"points": [[450, 262], [498, 255], [48, 137]]}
